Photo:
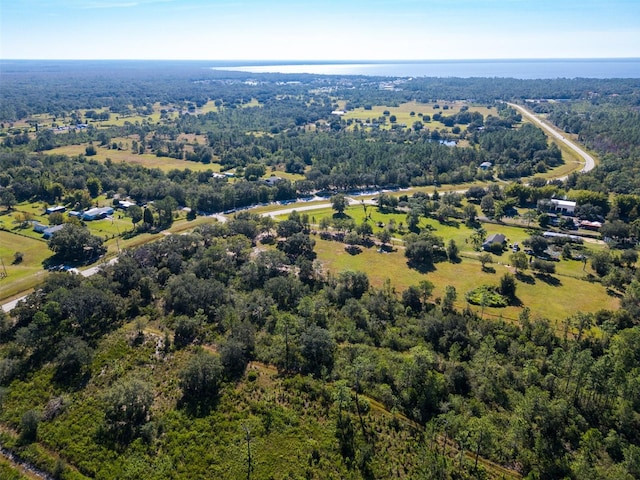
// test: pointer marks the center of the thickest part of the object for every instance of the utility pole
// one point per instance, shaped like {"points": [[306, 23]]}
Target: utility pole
{"points": [[3, 273]]}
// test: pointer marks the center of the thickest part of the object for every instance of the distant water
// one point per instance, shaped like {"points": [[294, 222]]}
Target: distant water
{"points": [[522, 69]]}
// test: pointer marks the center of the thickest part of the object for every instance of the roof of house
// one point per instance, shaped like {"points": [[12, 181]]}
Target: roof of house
{"points": [[51, 230], [587, 223], [273, 180], [57, 208], [97, 212], [495, 238], [561, 235], [563, 203]]}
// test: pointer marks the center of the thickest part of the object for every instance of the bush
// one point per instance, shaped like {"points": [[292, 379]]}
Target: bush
{"points": [[18, 257], [29, 426], [127, 407], [508, 285], [487, 296], [496, 248], [543, 266]]}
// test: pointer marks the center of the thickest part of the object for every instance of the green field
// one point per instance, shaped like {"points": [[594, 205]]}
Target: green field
{"points": [[568, 287], [146, 160], [569, 294], [404, 110], [29, 272]]}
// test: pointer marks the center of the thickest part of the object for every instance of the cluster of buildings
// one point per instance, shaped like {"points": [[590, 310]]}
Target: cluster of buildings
{"points": [[91, 214]]}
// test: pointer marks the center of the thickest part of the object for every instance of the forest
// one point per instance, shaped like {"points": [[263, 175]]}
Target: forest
{"points": [[231, 351]]}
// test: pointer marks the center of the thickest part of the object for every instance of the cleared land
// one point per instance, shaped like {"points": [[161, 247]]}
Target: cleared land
{"points": [[556, 297], [403, 113], [29, 272], [568, 287], [146, 160]]}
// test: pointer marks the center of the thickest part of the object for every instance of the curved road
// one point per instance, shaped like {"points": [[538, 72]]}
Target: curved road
{"points": [[589, 162], [588, 165]]}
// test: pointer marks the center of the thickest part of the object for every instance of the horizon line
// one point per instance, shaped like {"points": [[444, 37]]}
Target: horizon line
{"points": [[319, 61]]}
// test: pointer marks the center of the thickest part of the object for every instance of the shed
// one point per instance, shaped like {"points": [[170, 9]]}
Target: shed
{"points": [[56, 209]]}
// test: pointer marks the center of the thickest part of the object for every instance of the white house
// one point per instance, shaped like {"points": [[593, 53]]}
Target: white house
{"points": [[566, 207], [97, 213]]}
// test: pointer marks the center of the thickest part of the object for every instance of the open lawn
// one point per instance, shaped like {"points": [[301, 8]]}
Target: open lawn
{"points": [[556, 297], [108, 228], [146, 160], [13, 221], [568, 286], [29, 272], [404, 110]]}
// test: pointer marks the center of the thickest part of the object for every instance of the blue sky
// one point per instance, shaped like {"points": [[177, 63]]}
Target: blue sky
{"points": [[318, 29]]}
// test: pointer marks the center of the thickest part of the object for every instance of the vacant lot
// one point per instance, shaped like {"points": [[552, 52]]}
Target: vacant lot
{"points": [[146, 160], [403, 113], [556, 297], [24, 275]]}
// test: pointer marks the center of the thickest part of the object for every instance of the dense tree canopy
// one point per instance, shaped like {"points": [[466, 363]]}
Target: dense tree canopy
{"points": [[75, 243]]}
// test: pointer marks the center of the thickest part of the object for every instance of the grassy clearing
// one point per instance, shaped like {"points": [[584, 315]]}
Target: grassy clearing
{"points": [[570, 294], [404, 110], [568, 286], [29, 272], [126, 156], [292, 177]]}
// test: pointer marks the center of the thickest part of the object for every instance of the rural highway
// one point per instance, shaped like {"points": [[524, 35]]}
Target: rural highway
{"points": [[589, 162], [6, 307], [317, 206]]}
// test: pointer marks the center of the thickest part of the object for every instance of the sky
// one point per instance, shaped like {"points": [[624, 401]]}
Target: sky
{"points": [[318, 29]]}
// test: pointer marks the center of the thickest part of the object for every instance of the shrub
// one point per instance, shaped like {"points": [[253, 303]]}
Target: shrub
{"points": [[496, 248], [487, 296], [543, 266], [29, 426]]}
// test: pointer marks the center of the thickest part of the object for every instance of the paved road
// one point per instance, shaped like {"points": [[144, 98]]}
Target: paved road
{"points": [[317, 206], [12, 304], [589, 162], [7, 307], [588, 159]]}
